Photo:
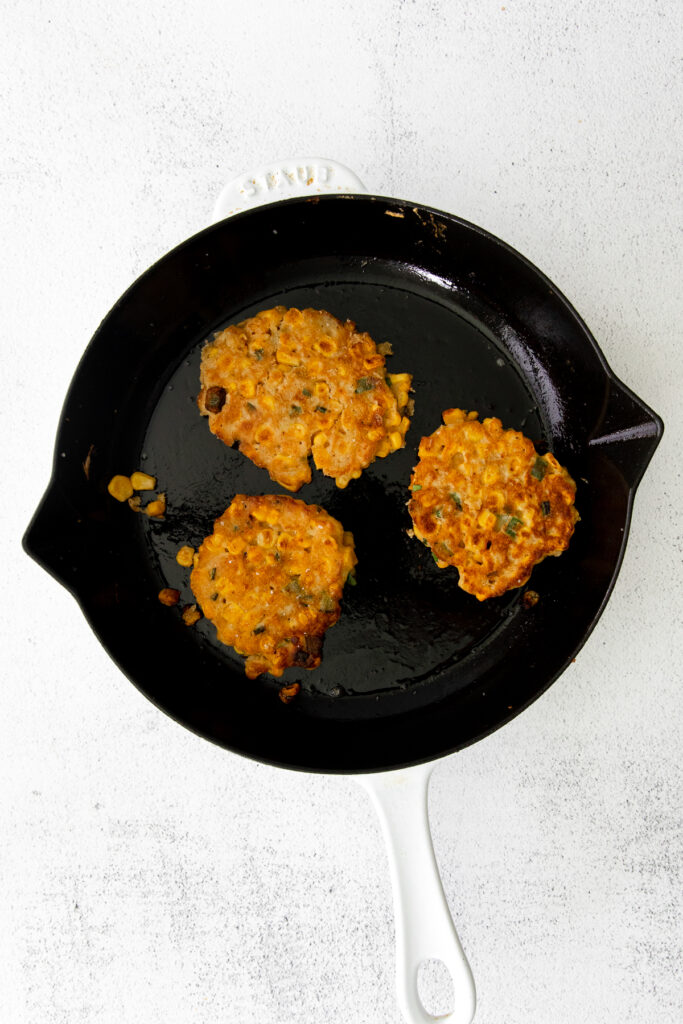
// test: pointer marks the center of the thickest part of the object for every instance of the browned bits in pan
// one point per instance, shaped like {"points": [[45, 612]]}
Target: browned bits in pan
{"points": [[288, 693], [169, 596], [190, 614]]}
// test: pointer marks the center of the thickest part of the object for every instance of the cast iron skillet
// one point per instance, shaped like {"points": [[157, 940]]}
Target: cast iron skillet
{"points": [[415, 668]]}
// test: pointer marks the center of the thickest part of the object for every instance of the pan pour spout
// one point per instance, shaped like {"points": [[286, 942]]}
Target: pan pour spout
{"points": [[629, 429]]}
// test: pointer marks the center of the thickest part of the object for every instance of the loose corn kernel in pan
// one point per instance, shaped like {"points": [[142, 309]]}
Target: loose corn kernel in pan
{"points": [[190, 614], [185, 556], [156, 508], [169, 596], [120, 488], [142, 481]]}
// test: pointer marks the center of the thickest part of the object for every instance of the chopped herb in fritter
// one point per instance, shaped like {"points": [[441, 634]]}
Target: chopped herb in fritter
{"points": [[539, 468]]}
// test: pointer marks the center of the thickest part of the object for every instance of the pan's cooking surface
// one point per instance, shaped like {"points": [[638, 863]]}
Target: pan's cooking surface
{"points": [[415, 668], [406, 619]]}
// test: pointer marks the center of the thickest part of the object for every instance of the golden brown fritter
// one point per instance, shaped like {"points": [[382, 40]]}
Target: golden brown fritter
{"points": [[270, 578], [485, 502], [287, 383]]}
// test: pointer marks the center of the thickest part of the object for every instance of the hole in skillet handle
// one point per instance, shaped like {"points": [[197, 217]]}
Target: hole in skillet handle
{"points": [[435, 988]]}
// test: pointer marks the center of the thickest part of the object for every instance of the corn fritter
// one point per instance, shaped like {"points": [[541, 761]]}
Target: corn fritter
{"points": [[487, 503], [288, 383], [270, 578]]}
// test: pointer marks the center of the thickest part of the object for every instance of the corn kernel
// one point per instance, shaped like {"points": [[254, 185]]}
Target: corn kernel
{"points": [[453, 416], [268, 401], [372, 362], [286, 358], [191, 614], [156, 509], [376, 434], [185, 556], [395, 440], [143, 481], [120, 488], [486, 519], [247, 388]]}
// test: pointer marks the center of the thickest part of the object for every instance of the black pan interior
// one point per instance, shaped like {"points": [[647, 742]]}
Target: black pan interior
{"points": [[415, 667]]}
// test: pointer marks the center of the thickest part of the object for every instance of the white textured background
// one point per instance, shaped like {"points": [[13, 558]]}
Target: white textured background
{"points": [[150, 877]]}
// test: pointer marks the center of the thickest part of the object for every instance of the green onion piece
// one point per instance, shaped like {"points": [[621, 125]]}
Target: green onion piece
{"points": [[306, 392], [277, 556], [294, 587], [214, 597], [539, 468], [434, 557], [258, 354], [513, 526], [259, 629], [445, 547], [320, 408], [212, 574], [251, 407], [545, 508], [438, 512], [351, 579], [501, 522], [416, 487], [295, 410], [457, 500], [365, 384], [326, 603]]}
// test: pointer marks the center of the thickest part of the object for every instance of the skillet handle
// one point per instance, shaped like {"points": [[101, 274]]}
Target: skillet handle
{"points": [[302, 176], [424, 927]]}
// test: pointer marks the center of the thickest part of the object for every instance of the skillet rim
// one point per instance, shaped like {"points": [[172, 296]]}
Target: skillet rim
{"points": [[32, 547]]}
